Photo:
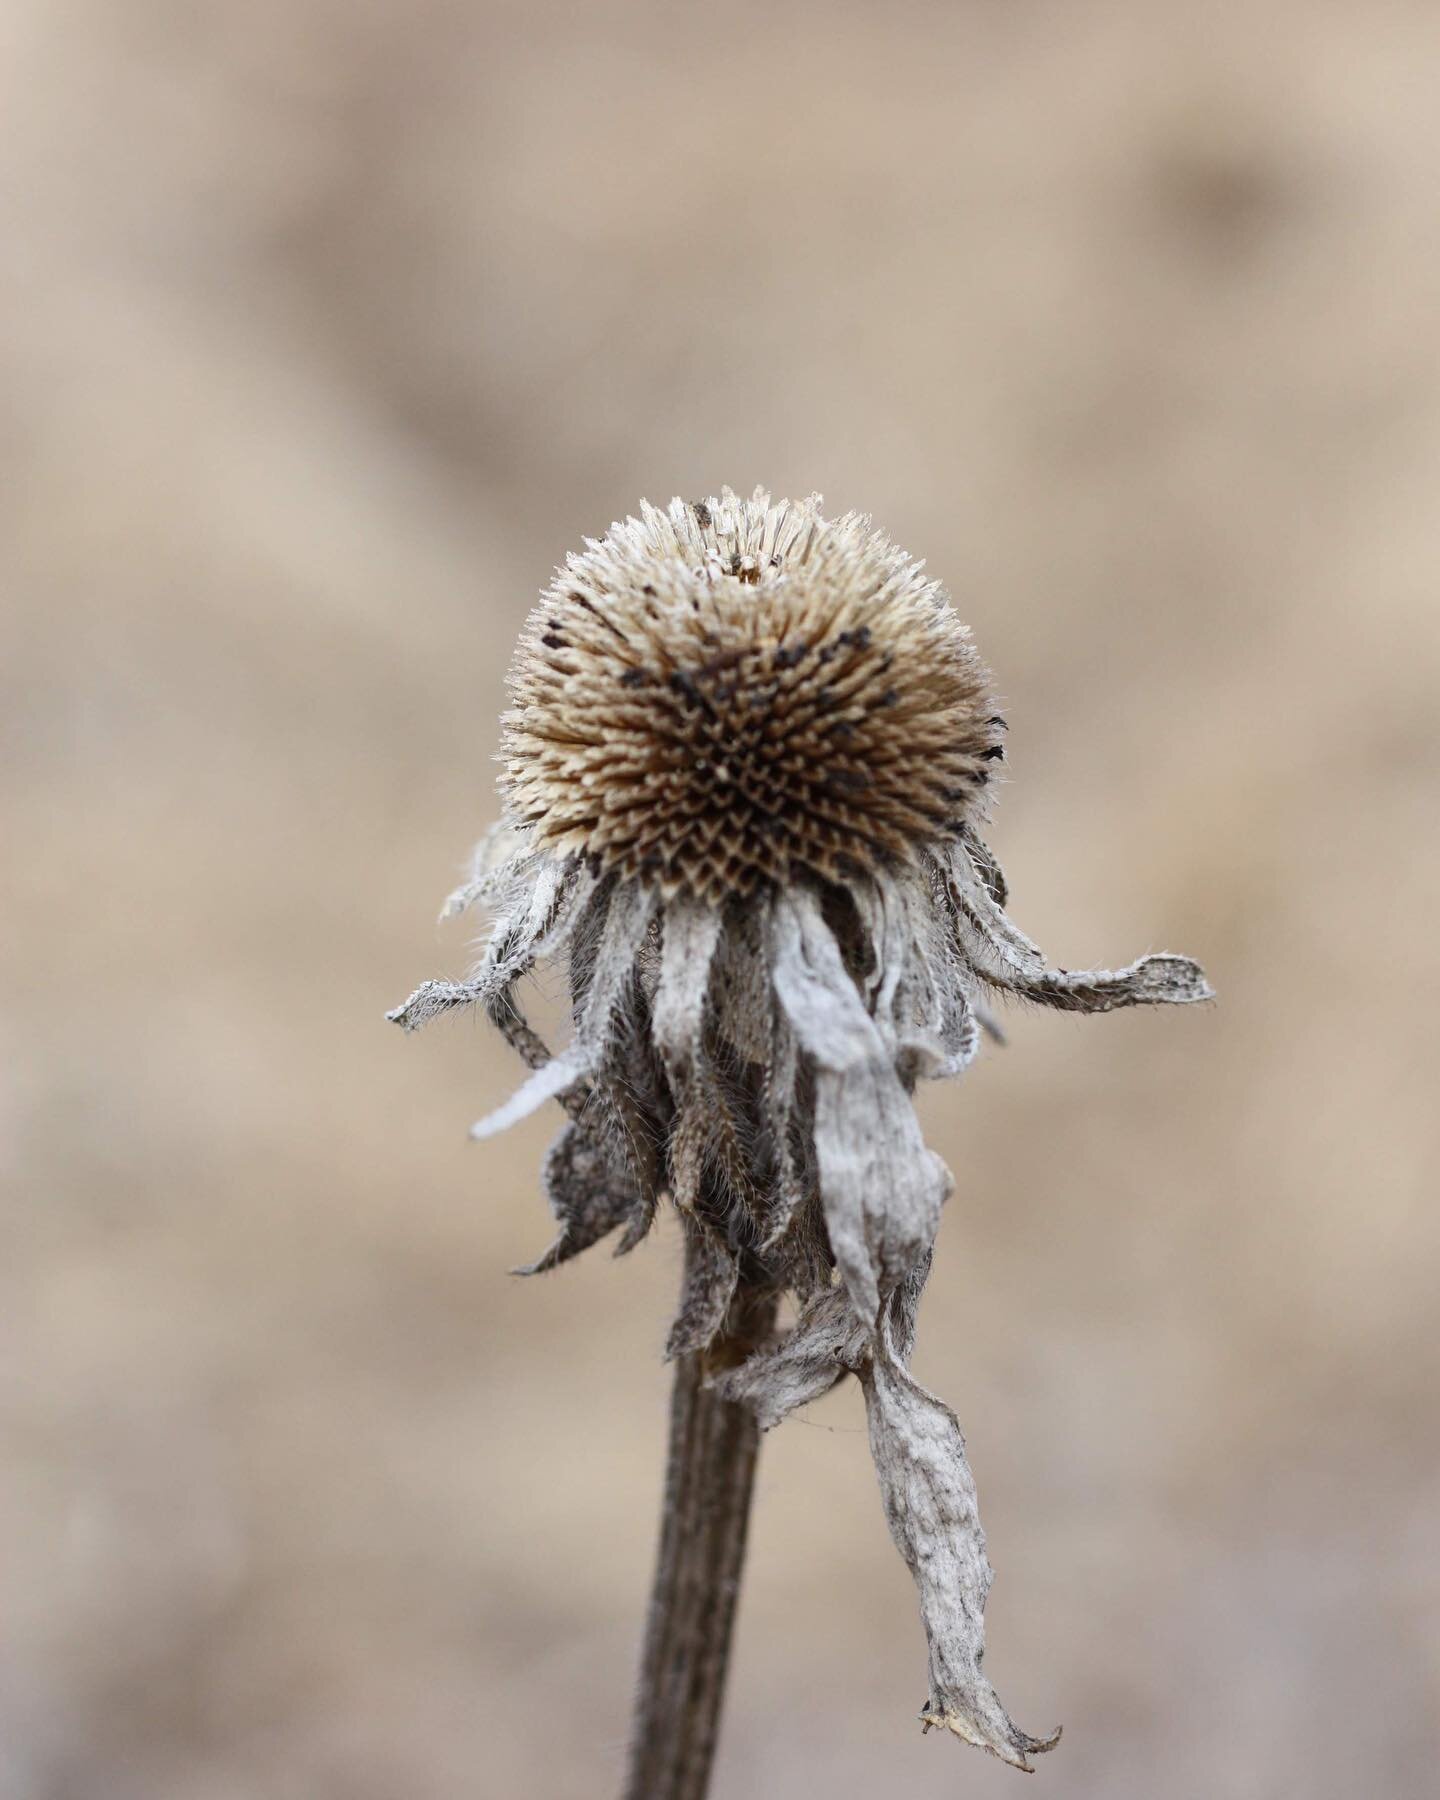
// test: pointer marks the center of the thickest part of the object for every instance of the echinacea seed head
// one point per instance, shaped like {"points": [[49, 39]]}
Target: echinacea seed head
{"points": [[745, 766], [733, 692]]}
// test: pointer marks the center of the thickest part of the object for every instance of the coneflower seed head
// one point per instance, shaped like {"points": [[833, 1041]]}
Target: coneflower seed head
{"points": [[737, 692]]}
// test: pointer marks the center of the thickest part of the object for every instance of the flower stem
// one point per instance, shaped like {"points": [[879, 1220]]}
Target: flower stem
{"points": [[706, 1513]]}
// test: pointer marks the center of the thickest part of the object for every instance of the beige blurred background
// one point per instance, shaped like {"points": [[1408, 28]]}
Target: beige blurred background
{"points": [[326, 329]]}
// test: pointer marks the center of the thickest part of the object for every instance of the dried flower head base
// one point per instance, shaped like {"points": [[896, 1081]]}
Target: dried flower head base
{"points": [[745, 767]]}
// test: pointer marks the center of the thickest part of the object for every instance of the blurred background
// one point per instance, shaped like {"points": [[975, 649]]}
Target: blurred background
{"points": [[325, 331]]}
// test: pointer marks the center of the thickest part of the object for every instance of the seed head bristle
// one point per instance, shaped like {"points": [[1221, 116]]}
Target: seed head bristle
{"points": [[734, 691]]}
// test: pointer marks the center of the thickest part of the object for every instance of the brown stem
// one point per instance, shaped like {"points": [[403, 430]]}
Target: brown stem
{"points": [[706, 1512]]}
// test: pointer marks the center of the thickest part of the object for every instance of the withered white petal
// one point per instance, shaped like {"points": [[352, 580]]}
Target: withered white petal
{"points": [[689, 938], [930, 1506], [627, 919], [880, 1188]]}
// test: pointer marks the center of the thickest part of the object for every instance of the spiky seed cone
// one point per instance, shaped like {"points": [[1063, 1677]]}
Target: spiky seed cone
{"points": [[734, 691]]}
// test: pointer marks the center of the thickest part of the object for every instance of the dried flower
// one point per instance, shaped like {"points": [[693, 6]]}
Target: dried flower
{"points": [[748, 757]]}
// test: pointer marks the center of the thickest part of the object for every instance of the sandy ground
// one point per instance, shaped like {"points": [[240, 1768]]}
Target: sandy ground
{"points": [[325, 330]]}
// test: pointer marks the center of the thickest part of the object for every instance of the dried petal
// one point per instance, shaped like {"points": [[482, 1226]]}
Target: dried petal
{"points": [[627, 919], [827, 1342], [534, 918], [1161, 980], [429, 1000], [1006, 958], [711, 1276], [690, 935], [589, 1194], [496, 858], [929, 1498], [880, 1187]]}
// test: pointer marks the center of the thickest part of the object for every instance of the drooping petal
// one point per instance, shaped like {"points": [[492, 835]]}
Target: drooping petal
{"points": [[498, 855], [1003, 956], [880, 1187], [929, 1498], [627, 919], [690, 934], [925, 1011], [994, 946], [540, 904], [712, 1273], [705, 1141], [827, 1342], [548, 1082], [987, 865], [590, 1194], [518, 939]]}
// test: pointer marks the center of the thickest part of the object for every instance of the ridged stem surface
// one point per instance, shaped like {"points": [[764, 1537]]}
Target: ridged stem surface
{"points": [[705, 1518]]}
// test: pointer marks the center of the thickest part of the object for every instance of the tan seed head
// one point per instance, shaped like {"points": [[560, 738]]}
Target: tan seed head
{"points": [[733, 692]]}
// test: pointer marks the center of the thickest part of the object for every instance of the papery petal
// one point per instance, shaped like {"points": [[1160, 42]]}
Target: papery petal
{"points": [[826, 1343], [880, 1187], [590, 1194], [1160, 980], [498, 855], [690, 934], [537, 914], [929, 1498], [627, 919], [1002, 955], [712, 1274]]}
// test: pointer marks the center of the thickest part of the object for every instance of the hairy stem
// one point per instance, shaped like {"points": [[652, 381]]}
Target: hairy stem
{"points": [[705, 1517]]}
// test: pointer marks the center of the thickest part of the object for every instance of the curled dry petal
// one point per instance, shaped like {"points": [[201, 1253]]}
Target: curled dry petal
{"points": [[626, 922], [712, 1273], [827, 1342], [880, 1188], [1002, 955], [929, 1498], [590, 1194]]}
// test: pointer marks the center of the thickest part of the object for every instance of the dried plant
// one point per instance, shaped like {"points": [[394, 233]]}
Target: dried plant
{"points": [[746, 765]]}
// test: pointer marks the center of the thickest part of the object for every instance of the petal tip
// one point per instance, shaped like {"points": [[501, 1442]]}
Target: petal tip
{"points": [[1011, 1746]]}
